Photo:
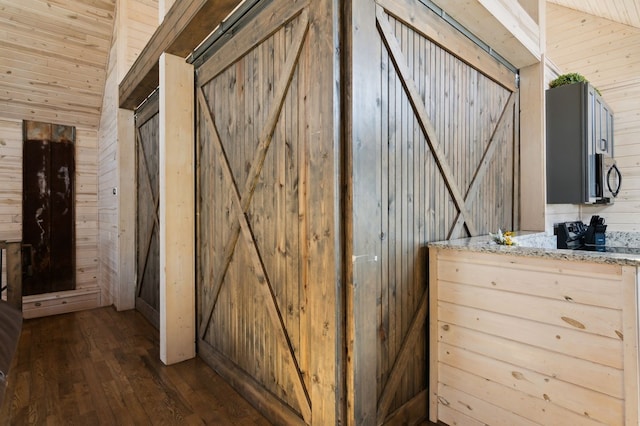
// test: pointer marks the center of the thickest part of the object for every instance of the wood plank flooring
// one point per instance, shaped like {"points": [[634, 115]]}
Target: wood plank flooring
{"points": [[102, 367]]}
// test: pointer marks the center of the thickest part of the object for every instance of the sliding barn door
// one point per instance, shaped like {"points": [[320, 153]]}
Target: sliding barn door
{"points": [[267, 233], [434, 157], [147, 213]]}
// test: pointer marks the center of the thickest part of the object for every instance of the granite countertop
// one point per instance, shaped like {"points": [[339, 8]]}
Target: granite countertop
{"points": [[543, 245]]}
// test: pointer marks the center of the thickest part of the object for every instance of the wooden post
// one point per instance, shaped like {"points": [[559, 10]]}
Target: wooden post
{"points": [[125, 292], [364, 211], [323, 215], [14, 274], [177, 208], [532, 139], [533, 197]]}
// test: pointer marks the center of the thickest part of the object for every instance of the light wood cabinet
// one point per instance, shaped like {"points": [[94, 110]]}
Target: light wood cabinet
{"points": [[527, 340]]}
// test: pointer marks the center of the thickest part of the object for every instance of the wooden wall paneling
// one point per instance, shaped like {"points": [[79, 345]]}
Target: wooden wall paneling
{"points": [[124, 297], [116, 158], [53, 61], [623, 11], [11, 179], [600, 405], [473, 355], [108, 176]]}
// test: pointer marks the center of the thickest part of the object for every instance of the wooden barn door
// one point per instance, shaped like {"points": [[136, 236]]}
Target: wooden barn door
{"points": [[147, 213], [268, 280], [48, 230], [440, 117]]}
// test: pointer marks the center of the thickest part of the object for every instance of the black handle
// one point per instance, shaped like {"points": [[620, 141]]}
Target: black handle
{"points": [[614, 193]]}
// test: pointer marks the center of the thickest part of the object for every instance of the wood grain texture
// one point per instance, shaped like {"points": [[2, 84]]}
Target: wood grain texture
{"points": [[433, 139], [503, 25], [102, 367], [147, 208], [495, 356], [52, 59], [185, 25], [252, 147], [177, 210]]}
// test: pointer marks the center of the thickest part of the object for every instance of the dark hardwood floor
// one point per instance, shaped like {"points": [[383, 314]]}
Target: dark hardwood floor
{"points": [[102, 367]]}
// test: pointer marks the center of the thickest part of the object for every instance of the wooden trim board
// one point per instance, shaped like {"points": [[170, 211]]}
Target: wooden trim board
{"points": [[186, 24]]}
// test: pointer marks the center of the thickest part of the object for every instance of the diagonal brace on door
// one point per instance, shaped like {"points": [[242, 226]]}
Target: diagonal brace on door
{"points": [[400, 63], [156, 221], [242, 201], [481, 171]]}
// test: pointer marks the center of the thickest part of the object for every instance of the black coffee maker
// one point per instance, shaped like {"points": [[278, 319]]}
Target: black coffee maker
{"points": [[578, 236]]}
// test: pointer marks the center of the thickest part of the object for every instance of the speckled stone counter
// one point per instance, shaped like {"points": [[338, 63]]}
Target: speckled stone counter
{"points": [[543, 245]]}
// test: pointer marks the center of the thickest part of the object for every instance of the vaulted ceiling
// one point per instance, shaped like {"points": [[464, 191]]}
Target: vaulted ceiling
{"points": [[623, 11], [53, 54], [605, 50]]}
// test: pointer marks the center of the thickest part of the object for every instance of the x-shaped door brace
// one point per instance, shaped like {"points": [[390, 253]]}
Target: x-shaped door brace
{"points": [[156, 221], [462, 203], [241, 203]]}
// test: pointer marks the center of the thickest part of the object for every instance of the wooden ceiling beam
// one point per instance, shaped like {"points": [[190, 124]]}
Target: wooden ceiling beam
{"points": [[504, 25], [185, 26]]}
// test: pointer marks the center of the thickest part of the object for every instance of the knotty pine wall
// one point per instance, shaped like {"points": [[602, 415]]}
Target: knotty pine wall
{"points": [[607, 53], [135, 23], [108, 177]]}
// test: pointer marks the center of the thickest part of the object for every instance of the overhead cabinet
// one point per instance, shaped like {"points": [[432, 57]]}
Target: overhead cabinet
{"points": [[579, 144]]}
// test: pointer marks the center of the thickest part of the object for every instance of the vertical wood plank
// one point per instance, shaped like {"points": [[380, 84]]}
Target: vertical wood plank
{"points": [[363, 205], [177, 257], [433, 335], [13, 251], [532, 189], [631, 325], [324, 212], [125, 287]]}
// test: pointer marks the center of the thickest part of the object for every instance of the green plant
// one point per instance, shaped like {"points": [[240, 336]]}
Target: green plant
{"points": [[569, 78]]}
